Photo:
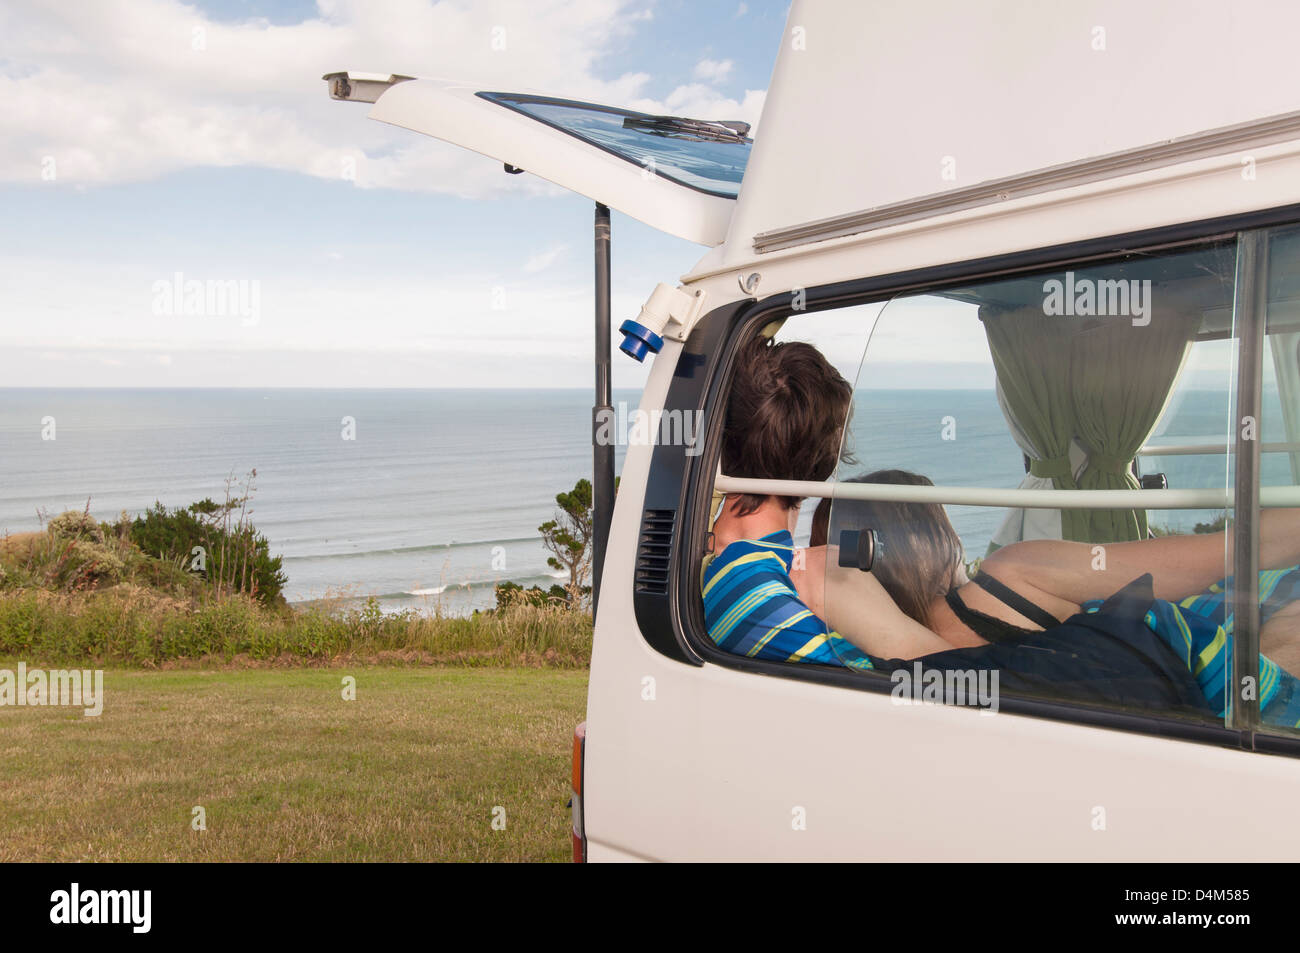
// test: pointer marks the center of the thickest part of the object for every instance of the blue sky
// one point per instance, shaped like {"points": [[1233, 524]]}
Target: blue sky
{"points": [[199, 139]]}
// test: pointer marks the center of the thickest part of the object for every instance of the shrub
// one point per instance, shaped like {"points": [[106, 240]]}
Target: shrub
{"points": [[232, 557], [76, 524], [511, 594], [1216, 525], [89, 563]]}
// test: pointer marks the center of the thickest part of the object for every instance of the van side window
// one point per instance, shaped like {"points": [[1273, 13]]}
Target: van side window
{"points": [[1279, 439], [1036, 471]]}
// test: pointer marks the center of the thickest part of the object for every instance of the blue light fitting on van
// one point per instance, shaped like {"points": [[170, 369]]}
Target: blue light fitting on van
{"points": [[638, 340], [668, 313]]}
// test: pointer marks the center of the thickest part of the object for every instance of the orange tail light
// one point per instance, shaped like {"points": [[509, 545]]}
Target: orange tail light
{"points": [[579, 833]]}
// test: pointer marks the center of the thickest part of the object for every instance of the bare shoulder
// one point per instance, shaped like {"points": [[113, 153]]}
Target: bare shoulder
{"points": [[1015, 567]]}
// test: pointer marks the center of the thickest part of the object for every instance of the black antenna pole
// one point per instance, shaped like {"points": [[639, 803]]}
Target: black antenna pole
{"points": [[602, 451]]}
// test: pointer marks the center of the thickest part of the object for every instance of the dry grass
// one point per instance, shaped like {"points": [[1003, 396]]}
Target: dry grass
{"points": [[19, 547], [288, 770]]}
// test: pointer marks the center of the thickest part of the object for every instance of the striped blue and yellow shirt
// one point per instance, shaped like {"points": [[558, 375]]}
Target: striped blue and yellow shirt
{"points": [[752, 609], [1199, 630]]}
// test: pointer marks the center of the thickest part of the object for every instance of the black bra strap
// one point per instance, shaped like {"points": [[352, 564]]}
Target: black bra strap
{"points": [[987, 627], [1013, 599]]}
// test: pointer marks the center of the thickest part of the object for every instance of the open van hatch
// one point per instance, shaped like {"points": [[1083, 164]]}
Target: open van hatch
{"points": [[678, 175], [681, 176]]}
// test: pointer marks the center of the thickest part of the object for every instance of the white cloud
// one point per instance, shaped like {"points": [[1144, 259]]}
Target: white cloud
{"points": [[114, 91], [544, 260], [715, 71], [126, 90]]}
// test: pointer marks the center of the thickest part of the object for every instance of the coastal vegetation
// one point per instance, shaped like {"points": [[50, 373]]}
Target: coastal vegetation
{"points": [[569, 538], [199, 585], [216, 541], [128, 624]]}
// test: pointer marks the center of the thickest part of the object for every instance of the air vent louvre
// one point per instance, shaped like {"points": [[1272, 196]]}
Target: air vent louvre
{"points": [[653, 551]]}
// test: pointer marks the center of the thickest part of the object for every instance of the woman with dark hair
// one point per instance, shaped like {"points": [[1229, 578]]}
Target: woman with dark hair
{"points": [[925, 553], [1026, 591]]}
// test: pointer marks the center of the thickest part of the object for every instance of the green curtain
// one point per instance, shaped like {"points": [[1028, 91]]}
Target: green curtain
{"points": [[1286, 367], [1031, 355], [1122, 376], [1102, 381]]}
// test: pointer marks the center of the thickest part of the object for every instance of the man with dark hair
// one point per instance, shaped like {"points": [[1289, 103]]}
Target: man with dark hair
{"points": [[785, 417]]}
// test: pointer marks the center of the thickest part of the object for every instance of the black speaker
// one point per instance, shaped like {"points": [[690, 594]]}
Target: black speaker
{"points": [[858, 548]]}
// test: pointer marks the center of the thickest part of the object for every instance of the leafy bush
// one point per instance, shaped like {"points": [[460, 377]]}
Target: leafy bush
{"points": [[73, 554], [87, 563], [75, 524], [510, 594], [168, 534], [1216, 525], [202, 538]]}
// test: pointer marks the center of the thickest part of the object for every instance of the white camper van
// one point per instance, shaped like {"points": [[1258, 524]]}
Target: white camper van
{"points": [[1055, 250]]}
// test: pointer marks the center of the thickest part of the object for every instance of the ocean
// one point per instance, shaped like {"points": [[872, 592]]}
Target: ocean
{"points": [[439, 494]]}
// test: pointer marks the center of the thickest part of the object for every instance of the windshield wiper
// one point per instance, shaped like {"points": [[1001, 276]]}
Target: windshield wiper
{"points": [[700, 130]]}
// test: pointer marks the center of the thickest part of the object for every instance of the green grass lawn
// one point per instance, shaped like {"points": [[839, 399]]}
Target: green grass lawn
{"points": [[288, 770]]}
